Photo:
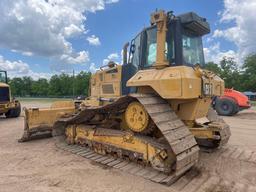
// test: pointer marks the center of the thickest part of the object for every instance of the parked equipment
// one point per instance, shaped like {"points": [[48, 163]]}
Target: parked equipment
{"points": [[9, 106], [155, 108], [231, 103]]}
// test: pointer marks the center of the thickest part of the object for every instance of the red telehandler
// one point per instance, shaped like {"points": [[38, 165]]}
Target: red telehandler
{"points": [[231, 103]]}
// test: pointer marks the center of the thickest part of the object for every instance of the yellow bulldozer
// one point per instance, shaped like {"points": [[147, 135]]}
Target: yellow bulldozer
{"points": [[154, 109], [10, 107]]}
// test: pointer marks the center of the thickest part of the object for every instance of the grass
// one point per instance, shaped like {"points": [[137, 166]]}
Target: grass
{"points": [[253, 103]]}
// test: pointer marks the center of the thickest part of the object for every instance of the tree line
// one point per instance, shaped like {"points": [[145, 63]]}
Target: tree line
{"points": [[57, 86], [241, 78]]}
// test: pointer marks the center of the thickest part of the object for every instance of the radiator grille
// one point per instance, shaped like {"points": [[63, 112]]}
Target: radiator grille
{"points": [[108, 89], [4, 94]]}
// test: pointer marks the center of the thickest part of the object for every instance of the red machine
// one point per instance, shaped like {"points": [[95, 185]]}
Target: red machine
{"points": [[231, 103]]}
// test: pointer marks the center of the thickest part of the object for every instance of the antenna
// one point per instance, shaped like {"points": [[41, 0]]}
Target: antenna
{"points": [[73, 84]]}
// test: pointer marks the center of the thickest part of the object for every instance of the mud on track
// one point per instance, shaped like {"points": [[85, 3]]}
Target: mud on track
{"points": [[41, 166]]}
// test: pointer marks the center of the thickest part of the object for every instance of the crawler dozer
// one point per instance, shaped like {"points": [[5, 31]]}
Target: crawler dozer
{"points": [[9, 106], [154, 109]]}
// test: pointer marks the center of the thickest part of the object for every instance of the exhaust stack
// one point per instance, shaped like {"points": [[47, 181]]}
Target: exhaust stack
{"points": [[125, 53]]}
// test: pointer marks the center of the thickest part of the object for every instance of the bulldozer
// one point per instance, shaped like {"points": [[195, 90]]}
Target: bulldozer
{"points": [[154, 109], [10, 107]]}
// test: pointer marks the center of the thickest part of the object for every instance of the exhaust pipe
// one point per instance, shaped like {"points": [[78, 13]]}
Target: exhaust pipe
{"points": [[125, 53]]}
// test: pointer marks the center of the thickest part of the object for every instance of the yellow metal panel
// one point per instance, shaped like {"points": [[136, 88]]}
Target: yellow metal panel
{"points": [[3, 85], [170, 83], [191, 84], [180, 82], [164, 82], [126, 141], [5, 107], [189, 110], [107, 83], [63, 104], [36, 117]]}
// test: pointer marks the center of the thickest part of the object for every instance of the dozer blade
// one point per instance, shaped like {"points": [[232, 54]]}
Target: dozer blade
{"points": [[39, 122]]}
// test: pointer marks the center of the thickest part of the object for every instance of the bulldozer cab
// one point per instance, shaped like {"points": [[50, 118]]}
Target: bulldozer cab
{"points": [[183, 45], [4, 88], [3, 77]]}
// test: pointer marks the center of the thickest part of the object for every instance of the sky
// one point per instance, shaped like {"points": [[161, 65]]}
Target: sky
{"points": [[39, 38]]}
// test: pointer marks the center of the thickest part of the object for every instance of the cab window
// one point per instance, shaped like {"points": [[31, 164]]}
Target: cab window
{"points": [[192, 49], [151, 47], [135, 51]]}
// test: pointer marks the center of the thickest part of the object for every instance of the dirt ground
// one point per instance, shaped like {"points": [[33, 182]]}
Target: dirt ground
{"points": [[40, 166]]}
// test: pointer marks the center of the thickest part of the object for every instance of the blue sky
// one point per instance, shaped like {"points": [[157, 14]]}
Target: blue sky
{"points": [[41, 38]]}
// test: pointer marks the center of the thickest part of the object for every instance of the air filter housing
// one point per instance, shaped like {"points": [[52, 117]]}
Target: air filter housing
{"points": [[196, 24]]}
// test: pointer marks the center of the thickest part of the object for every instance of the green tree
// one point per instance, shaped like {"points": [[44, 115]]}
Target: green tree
{"points": [[17, 85], [82, 83], [40, 88], [58, 86], [211, 66], [249, 73], [229, 71], [66, 85], [54, 86], [27, 86]]}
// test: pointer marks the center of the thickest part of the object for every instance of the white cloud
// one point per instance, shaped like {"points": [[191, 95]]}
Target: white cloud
{"points": [[241, 29], [36, 76], [45, 27], [78, 58], [218, 33], [215, 54], [93, 40], [93, 68], [20, 69], [112, 57], [73, 30], [27, 53], [111, 1]]}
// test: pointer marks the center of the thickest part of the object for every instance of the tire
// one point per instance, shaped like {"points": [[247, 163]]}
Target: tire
{"points": [[226, 107], [15, 112], [236, 109]]}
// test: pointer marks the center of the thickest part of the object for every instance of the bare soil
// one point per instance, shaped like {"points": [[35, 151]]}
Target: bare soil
{"points": [[40, 166]]}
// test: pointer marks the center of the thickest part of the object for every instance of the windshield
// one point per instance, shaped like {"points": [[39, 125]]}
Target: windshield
{"points": [[192, 50], [2, 76]]}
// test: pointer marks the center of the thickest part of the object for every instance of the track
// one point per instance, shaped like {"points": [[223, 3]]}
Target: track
{"points": [[224, 128], [204, 177], [118, 163], [176, 133], [180, 139]]}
